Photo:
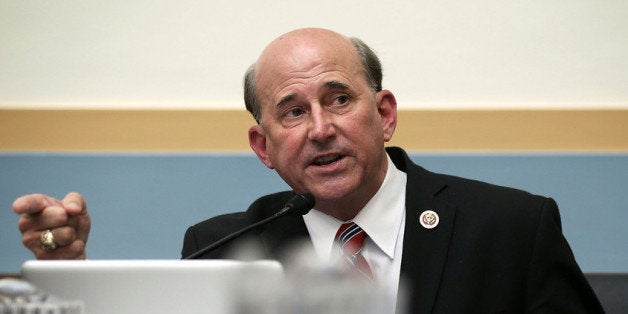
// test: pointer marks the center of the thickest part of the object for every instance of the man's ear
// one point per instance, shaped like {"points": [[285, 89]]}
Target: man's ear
{"points": [[387, 108], [257, 140]]}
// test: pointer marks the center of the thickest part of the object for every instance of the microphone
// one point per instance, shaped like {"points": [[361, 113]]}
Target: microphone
{"points": [[300, 204]]}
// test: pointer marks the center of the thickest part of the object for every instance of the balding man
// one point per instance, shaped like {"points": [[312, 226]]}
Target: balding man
{"points": [[323, 119]]}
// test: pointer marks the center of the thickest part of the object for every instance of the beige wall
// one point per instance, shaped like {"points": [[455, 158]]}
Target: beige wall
{"points": [[486, 54]]}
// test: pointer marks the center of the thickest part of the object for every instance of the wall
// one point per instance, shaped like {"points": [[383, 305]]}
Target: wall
{"points": [[137, 104], [141, 204], [437, 54]]}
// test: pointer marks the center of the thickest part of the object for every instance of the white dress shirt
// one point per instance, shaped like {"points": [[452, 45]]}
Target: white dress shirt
{"points": [[383, 220]]}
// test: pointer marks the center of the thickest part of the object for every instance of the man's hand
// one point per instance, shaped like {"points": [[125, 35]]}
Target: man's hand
{"points": [[67, 219]]}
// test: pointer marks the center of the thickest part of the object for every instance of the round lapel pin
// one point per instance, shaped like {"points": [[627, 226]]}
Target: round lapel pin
{"points": [[429, 219]]}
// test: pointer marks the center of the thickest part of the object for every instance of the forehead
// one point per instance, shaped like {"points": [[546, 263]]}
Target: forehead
{"points": [[301, 61]]}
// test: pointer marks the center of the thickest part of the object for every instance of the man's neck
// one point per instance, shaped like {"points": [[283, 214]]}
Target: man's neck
{"points": [[348, 207]]}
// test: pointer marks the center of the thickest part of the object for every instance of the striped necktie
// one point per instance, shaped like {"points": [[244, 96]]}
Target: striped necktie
{"points": [[350, 238]]}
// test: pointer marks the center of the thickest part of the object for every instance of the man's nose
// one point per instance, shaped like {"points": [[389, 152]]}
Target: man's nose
{"points": [[321, 125]]}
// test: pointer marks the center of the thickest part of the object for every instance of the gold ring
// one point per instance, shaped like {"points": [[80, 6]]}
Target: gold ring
{"points": [[48, 241]]}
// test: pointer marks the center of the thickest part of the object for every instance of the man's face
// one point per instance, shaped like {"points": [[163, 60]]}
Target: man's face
{"points": [[322, 127]]}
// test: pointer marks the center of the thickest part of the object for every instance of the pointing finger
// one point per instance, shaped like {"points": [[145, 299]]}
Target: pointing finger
{"points": [[32, 204]]}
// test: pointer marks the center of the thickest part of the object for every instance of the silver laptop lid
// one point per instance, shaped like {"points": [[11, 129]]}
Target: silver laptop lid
{"points": [[151, 286]]}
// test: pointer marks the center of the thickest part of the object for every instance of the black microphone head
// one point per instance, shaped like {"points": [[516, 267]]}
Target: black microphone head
{"points": [[301, 203]]}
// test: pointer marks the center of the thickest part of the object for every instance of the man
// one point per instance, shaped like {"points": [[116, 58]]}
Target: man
{"points": [[323, 119]]}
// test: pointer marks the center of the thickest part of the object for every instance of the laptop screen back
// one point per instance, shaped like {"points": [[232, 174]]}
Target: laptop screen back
{"points": [[151, 286]]}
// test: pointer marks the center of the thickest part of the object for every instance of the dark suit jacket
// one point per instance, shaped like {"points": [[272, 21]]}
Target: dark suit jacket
{"points": [[495, 249]]}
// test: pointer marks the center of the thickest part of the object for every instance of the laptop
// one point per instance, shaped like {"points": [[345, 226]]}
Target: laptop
{"points": [[152, 286]]}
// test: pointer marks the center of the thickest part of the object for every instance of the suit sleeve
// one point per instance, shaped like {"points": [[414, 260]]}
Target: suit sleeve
{"points": [[555, 282]]}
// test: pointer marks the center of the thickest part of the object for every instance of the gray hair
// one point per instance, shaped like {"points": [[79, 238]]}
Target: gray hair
{"points": [[370, 63]]}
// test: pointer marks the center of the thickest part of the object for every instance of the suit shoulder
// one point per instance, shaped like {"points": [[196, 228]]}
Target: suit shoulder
{"points": [[471, 190], [258, 210], [213, 229], [498, 209], [267, 205], [485, 203], [454, 188]]}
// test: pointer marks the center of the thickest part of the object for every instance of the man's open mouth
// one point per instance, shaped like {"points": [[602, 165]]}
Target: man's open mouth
{"points": [[326, 160]]}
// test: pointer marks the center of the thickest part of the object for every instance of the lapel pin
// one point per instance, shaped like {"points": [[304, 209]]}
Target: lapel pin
{"points": [[429, 219]]}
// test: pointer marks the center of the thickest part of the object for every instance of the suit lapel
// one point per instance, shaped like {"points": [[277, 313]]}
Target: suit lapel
{"points": [[424, 250], [425, 253]]}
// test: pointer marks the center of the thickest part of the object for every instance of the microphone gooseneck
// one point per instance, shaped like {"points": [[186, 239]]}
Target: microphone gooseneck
{"points": [[300, 204]]}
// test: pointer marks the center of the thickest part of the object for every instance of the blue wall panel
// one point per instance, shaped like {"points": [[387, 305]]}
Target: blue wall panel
{"points": [[141, 204]]}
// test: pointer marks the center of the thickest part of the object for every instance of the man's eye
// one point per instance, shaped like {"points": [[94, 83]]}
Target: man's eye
{"points": [[342, 99], [294, 112]]}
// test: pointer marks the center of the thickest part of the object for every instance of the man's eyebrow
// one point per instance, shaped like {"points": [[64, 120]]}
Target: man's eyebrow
{"points": [[330, 85], [285, 100], [336, 85]]}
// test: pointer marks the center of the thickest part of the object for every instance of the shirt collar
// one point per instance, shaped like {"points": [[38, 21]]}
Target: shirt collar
{"points": [[381, 218]]}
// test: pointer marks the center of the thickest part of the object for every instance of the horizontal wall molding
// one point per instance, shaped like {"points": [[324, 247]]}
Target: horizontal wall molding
{"points": [[132, 130]]}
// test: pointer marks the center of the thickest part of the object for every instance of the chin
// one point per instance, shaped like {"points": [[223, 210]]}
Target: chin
{"points": [[330, 193]]}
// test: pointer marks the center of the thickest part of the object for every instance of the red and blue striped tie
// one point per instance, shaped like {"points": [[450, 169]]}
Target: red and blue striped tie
{"points": [[350, 238]]}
